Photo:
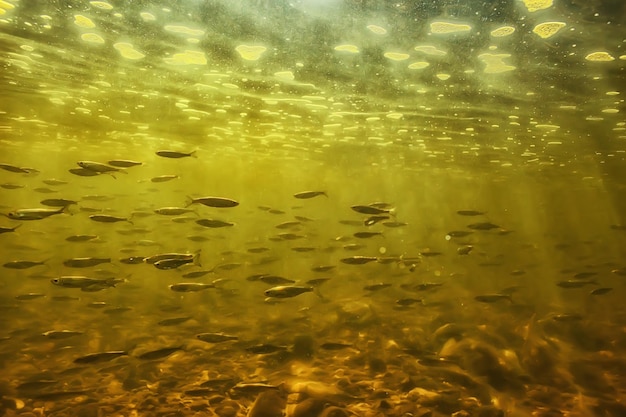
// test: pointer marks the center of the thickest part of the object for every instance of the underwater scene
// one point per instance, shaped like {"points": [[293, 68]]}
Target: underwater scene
{"points": [[313, 208]]}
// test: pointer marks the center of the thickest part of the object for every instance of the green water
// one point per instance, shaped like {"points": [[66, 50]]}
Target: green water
{"points": [[433, 108]]}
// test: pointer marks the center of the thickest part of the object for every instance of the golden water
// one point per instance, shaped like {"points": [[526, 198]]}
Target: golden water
{"points": [[513, 109]]}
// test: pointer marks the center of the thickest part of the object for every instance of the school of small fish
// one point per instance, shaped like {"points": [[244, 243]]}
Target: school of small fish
{"points": [[312, 208]]}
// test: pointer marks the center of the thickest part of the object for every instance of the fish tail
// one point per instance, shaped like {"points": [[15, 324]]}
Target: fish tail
{"points": [[193, 153], [190, 201], [196, 258]]}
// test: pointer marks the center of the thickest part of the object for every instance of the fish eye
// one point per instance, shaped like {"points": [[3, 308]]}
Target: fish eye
{"points": [[55, 280]]}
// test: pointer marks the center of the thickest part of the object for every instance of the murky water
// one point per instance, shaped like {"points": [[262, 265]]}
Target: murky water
{"points": [[417, 208]]}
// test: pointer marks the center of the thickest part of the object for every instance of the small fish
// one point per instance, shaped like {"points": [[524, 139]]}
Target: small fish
{"points": [[213, 223], [366, 235], [164, 178], [323, 268], [290, 236], [85, 262], [174, 321], [159, 353], [335, 346], [82, 282], [44, 190], [218, 202], [216, 337], [61, 334], [54, 181], [470, 213], [98, 167], [620, 271], [288, 225], [303, 249], [358, 260], [124, 163], [372, 210], [601, 291], [97, 197], [57, 202], [286, 291], [395, 224], [190, 287], [172, 211], [572, 283], [16, 169], [457, 233], [377, 287], [316, 282], [492, 298], [22, 264], [197, 274], [172, 263], [29, 296], [176, 154], [34, 214], [36, 385], [309, 194], [105, 218], [426, 286], [82, 172], [11, 186], [303, 219], [464, 250], [483, 226], [567, 317], [100, 357], [275, 280], [353, 246], [258, 250], [155, 258], [264, 349], [81, 238]]}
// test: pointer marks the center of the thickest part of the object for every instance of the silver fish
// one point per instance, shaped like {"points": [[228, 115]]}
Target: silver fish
{"points": [[98, 167], [22, 264], [57, 202], [155, 258], [85, 283], [358, 260], [85, 262], [123, 163], [175, 154], [34, 213], [100, 357], [190, 287], [105, 218], [219, 202], [213, 223], [173, 211], [287, 291], [309, 194], [372, 210], [164, 178]]}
